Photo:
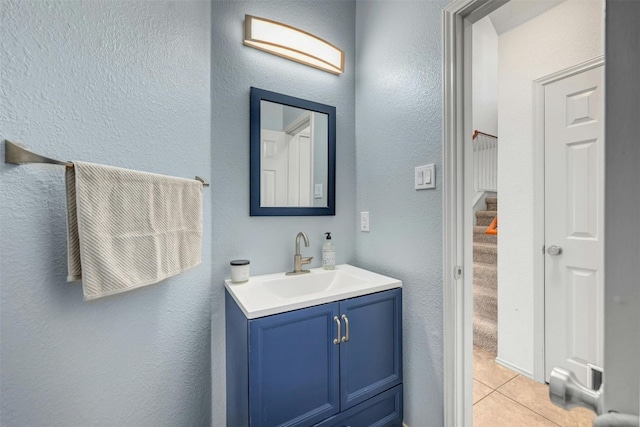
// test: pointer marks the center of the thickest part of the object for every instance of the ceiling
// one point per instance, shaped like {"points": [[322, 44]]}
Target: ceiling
{"points": [[516, 12]]}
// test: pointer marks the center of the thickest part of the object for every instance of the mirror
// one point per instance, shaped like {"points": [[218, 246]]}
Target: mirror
{"points": [[293, 155]]}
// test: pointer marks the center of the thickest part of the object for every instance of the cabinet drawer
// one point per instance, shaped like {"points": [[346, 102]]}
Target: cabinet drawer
{"points": [[383, 410]]}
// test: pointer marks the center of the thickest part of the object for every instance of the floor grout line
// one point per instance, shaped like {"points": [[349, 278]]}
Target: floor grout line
{"points": [[526, 407], [484, 397], [502, 390], [484, 384], [497, 389], [507, 382]]}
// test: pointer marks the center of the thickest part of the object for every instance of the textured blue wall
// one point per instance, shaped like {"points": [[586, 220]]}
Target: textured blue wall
{"points": [[269, 242], [119, 83], [398, 127]]}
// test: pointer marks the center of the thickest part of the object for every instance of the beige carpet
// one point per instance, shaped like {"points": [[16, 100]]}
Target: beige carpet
{"points": [[485, 280]]}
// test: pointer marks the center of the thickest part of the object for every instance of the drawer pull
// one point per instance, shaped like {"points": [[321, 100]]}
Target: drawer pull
{"points": [[345, 338], [336, 319]]}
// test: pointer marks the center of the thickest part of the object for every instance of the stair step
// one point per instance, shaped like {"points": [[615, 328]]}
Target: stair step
{"points": [[485, 275], [485, 303], [480, 235], [485, 280], [485, 217], [490, 214], [492, 203], [485, 334], [486, 253]]}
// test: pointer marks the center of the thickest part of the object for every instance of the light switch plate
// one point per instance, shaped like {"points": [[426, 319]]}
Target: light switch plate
{"points": [[364, 221], [317, 191], [425, 177]]}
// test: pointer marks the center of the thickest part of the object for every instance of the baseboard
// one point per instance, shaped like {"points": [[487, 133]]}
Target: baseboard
{"points": [[514, 368]]}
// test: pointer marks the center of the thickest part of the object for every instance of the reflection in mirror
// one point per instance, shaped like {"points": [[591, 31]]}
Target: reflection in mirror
{"points": [[292, 156]]}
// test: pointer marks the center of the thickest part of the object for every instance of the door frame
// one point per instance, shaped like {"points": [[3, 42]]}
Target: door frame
{"points": [[457, 19], [539, 350]]}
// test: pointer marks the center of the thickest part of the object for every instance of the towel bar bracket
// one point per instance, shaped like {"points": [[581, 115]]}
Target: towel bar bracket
{"points": [[202, 180], [18, 154]]}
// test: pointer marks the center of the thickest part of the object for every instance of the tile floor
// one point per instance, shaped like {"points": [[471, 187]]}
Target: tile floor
{"points": [[503, 398]]}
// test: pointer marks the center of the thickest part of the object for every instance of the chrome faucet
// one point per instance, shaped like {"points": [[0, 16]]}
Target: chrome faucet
{"points": [[298, 260]]}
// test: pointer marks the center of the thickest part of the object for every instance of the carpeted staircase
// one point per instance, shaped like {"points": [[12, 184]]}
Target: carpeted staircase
{"points": [[485, 280]]}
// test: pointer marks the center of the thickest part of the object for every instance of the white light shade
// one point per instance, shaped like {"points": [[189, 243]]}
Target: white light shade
{"points": [[292, 43]]}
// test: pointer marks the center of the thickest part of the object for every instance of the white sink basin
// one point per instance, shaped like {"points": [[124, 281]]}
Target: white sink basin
{"points": [[276, 293], [311, 283]]}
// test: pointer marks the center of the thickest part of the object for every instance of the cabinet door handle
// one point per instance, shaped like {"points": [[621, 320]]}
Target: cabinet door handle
{"points": [[336, 319], [345, 338]]}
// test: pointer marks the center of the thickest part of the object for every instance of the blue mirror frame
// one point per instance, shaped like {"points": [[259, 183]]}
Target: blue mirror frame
{"points": [[258, 95]]}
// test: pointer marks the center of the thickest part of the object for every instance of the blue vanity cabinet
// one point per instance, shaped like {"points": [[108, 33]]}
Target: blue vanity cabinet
{"points": [[288, 370]]}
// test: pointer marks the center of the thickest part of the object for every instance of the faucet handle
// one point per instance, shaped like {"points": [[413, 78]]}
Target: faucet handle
{"points": [[306, 260]]}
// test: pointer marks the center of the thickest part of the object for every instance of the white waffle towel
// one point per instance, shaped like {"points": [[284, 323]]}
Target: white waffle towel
{"points": [[128, 229]]}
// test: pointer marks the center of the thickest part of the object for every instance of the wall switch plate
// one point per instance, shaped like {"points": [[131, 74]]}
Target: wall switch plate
{"points": [[364, 221], [425, 177], [317, 191]]}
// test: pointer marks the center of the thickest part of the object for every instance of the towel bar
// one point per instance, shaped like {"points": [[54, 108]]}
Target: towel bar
{"points": [[17, 154]]}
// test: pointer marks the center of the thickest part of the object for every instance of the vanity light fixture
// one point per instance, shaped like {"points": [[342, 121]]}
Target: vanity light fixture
{"points": [[291, 43]]}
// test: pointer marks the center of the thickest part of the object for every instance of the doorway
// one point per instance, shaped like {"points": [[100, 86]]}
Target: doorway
{"points": [[526, 357], [572, 145]]}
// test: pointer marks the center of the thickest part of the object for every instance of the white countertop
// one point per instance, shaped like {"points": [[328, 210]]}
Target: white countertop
{"points": [[277, 293]]}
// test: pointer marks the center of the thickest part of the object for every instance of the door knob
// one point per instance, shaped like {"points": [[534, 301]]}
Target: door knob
{"points": [[554, 250], [566, 392]]}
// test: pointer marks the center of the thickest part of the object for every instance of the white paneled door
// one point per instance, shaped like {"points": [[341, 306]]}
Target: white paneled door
{"points": [[300, 169], [574, 223], [273, 168]]}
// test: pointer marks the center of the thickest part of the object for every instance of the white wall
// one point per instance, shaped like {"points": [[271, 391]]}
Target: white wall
{"points": [[484, 55], [566, 35]]}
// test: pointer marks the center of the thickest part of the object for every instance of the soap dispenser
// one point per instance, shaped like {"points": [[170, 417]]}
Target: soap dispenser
{"points": [[328, 253]]}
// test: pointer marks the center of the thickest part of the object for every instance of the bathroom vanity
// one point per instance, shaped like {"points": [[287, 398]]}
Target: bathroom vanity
{"points": [[320, 349]]}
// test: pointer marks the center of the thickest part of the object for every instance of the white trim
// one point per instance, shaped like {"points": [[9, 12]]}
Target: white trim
{"points": [[539, 372], [513, 367], [477, 196], [299, 123], [457, 345], [453, 339], [538, 232], [572, 71]]}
